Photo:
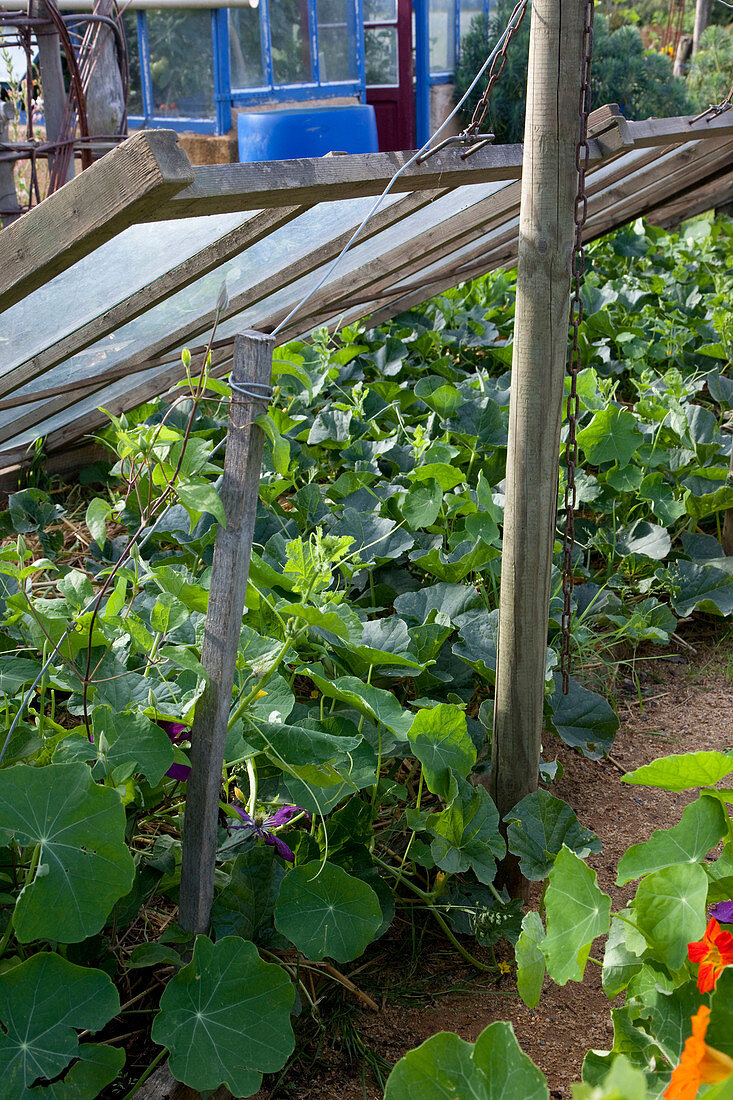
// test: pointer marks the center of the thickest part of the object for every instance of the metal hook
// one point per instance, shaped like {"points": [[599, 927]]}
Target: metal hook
{"points": [[464, 138]]}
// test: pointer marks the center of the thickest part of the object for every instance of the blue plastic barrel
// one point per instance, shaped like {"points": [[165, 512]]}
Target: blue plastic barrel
{"points": [[306, 132]]}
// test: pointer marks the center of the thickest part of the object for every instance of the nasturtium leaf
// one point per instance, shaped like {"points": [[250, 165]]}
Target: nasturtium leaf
{"points": [[43, 1002], [439, 739], [622, 1082], [670, 910], [576, 912], [325, 911], [225, 1018], [84, 865], [539, 825], [619, 962], [466, 834], [720, 1029], [683, 771], [665, 505], [445, 1067], [635, 1044], [96, 1067], [152, 954], [705, 587], [530, 960], [611, 436], [669, 1015], [701, 826], [582, 718], [641, 537], [422, 504]]}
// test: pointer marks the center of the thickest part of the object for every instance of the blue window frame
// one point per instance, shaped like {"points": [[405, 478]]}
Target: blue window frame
{"points": [[190, 66], [449, 21]]}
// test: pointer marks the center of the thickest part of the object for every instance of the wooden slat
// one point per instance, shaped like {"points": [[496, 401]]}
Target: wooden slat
{"points": [[667, 131], [194, 267], [121, 188], [710, 195]]}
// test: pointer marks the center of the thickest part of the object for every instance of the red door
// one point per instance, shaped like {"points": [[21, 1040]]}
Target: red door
{"points": [[388, 50]]}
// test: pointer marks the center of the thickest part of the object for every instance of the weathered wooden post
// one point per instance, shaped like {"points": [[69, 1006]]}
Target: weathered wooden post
{"points": [[9, 205], [546, 234], [232, 549]]}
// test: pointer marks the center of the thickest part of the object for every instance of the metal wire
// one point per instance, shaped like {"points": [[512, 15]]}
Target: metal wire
{"points": [[262, 398], [514, 19], [582, 160]]}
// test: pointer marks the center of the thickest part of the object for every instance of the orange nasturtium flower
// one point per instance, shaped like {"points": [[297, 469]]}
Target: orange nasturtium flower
{"points": [[699, 1064], [713, 952]]}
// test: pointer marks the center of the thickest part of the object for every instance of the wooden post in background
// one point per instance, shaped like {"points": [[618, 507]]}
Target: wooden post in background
{"points": [[232, 550], [546, 235]]}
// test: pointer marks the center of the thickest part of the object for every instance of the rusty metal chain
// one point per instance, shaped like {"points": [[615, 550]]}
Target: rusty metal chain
{"points": [[497, 68], [582, 160]]}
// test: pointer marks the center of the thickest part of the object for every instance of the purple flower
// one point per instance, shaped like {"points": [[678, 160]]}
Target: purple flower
{"points": [[177, 731], [264, 830], [723, 912]]}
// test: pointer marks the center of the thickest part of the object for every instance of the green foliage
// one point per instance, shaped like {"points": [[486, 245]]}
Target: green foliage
{"points": [[640, 81], [711, 70], [365, 672]]}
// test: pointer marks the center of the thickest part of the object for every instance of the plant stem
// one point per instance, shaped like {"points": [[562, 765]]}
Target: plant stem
{"points": [[28, 880], [141, 1080]]}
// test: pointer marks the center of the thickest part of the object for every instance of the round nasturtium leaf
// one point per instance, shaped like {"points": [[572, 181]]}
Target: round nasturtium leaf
{"points": [[84, 864], [446, 1067], [225, 1018], [42, 1003], [325, 911]]}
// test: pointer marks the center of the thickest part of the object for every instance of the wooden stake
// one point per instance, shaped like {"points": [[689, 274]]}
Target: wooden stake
{"points": [[546, 232], [252, 367]]}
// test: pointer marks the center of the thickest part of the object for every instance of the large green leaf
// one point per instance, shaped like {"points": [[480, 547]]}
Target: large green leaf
{"points": [[670, 910], [622, 1082], [452, 566], [720, 1029], [705, 587], [246, 904], [577, 911], [119, 739], [539, 825], [642, 537], [530, 959], [478, 642], [225, 1018], [582, 718], [325, 911], [683, 771], [439, 739], [448, 1068], [449, 600], [466, 834], [669, 1014], [43, 1002], [620, 963], [701, 826], [16, 672], [375, 703], [611, 436], [84, 864]]}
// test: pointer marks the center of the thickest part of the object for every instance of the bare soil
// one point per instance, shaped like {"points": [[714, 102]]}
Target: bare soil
{"points": [[681, 700]]}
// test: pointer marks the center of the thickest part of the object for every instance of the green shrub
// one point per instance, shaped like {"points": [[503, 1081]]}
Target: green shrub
{"points": [[711, 72], [623, 72]]}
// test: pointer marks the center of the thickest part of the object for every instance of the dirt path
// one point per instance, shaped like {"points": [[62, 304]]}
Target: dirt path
{"points": [[687, 704]]}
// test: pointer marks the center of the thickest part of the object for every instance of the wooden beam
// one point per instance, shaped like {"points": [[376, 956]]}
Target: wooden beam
{"points": [[666, 131], [230, 567], [131, 181], [546, 237]]}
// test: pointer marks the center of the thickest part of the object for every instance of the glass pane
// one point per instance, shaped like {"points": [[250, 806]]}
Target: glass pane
{"points": [[118, 268], [442, 36], [181, 63], [291, 58], [380, 11], [380, 45], [336, 40], [245, 51], [469, 10], [135, 94]]}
